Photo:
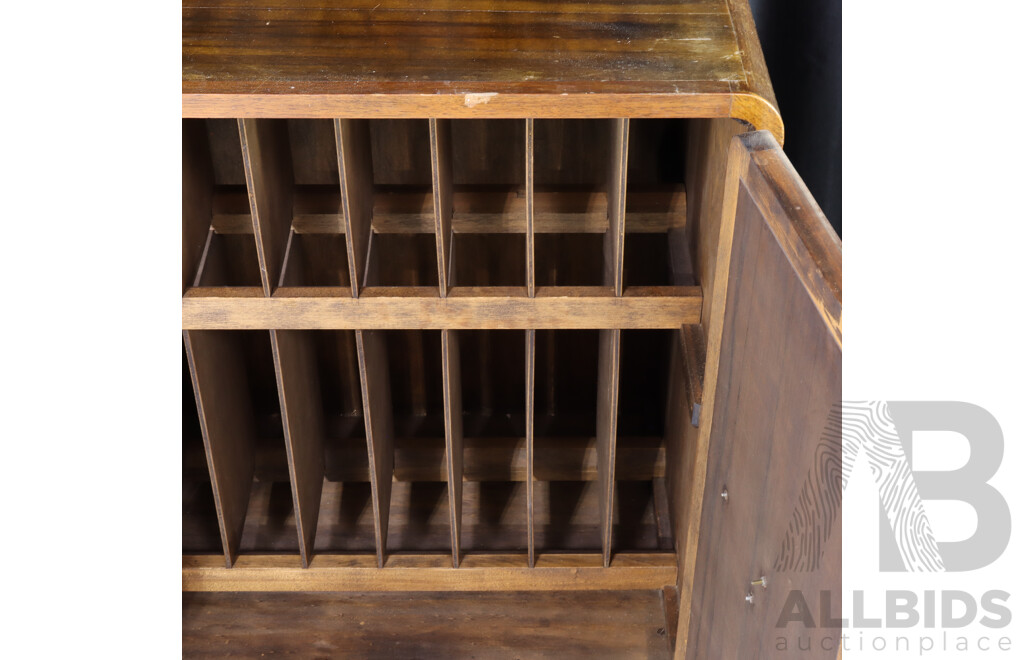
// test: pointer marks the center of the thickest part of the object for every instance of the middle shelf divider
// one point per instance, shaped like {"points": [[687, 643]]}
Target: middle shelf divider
{"points": [[302, 416], [441, 176], [378, 413], [355, 168], [452, 384], [610, 341]]}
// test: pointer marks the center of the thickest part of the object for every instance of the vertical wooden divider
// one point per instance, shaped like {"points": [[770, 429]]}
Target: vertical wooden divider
{"points": [[531, 269], [615, 237], [531, 351], [610, 341], [269, 178], [355, 171], [609, 347], [298, 389], [453, 435], [270, 181], [380, 443], [531, 345], [228, 426], [441, 170]]}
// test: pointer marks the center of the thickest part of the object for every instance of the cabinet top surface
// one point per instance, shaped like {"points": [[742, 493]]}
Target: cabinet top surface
{"points": [[485, 48]]}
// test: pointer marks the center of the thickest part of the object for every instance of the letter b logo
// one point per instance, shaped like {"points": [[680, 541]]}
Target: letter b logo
{"points": [[967, 484], [882, 431]]}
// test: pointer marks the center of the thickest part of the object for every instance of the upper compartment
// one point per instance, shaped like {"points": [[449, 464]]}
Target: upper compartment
{"points": [[476, 58], [284, 171]]}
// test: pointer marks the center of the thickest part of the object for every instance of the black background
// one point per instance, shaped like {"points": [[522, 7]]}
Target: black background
{"points": [[802, 43]]}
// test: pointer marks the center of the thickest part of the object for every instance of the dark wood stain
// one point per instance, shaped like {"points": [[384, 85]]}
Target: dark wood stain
{"points": [[458, 282], [627, 624], [397, 46], [779, 379]]}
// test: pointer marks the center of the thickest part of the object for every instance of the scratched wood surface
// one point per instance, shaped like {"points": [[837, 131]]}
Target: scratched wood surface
{"points": [[387, 45], [622, 624], [466, 58]]}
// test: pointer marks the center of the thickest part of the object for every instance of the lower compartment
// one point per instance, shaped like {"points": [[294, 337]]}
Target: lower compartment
{"points": [[286, 450], [494, 518], [416, 624]]}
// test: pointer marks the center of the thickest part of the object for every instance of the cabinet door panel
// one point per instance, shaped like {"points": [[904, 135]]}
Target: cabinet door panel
{"points": [[773, 444]]}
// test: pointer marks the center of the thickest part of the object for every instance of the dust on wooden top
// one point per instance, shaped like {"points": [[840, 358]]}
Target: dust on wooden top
{"points": [[472, 52]]}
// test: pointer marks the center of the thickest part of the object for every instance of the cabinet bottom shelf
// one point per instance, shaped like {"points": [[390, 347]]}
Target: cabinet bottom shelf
{"points": [[385, 625]]}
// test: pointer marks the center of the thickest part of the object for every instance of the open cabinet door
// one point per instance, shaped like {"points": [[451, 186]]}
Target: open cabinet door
{"points": [[770, 538]]}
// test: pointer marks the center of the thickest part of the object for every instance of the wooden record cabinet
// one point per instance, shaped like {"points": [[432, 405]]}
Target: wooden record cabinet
{"points": [[509, 331]]}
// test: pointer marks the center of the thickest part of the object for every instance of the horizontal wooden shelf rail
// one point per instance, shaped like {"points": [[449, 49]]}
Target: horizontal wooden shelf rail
{"points": [[477, 572], [465, 308], [568, 212], [665, 99]]}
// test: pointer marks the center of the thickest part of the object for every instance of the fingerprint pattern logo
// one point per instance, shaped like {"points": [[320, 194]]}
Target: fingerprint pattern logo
{"points": [[819, 505], [863, 426]]}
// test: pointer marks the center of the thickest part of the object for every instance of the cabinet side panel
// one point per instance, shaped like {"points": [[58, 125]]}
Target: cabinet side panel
{"points": [[709, 186], [773, 444], [779, 380]]}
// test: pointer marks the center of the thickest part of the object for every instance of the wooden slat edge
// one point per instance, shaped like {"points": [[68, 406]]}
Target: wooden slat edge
{"points": [[531, 360], [754, 66], [680, 99], [226, 422], [662, 511], [531, 267], [615, 237], [694, 358], [610, 346], [517, 312], [755, 101], [430, 573], [472, 6], [268, 178], [377, 412], [441, 181], [803, 232], [298, 389], [670, 601], [452, 392], [355, 174], [737, 162]]}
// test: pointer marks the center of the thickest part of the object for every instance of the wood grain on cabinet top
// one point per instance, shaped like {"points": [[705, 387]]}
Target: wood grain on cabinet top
{"points": [[474, 58]]}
